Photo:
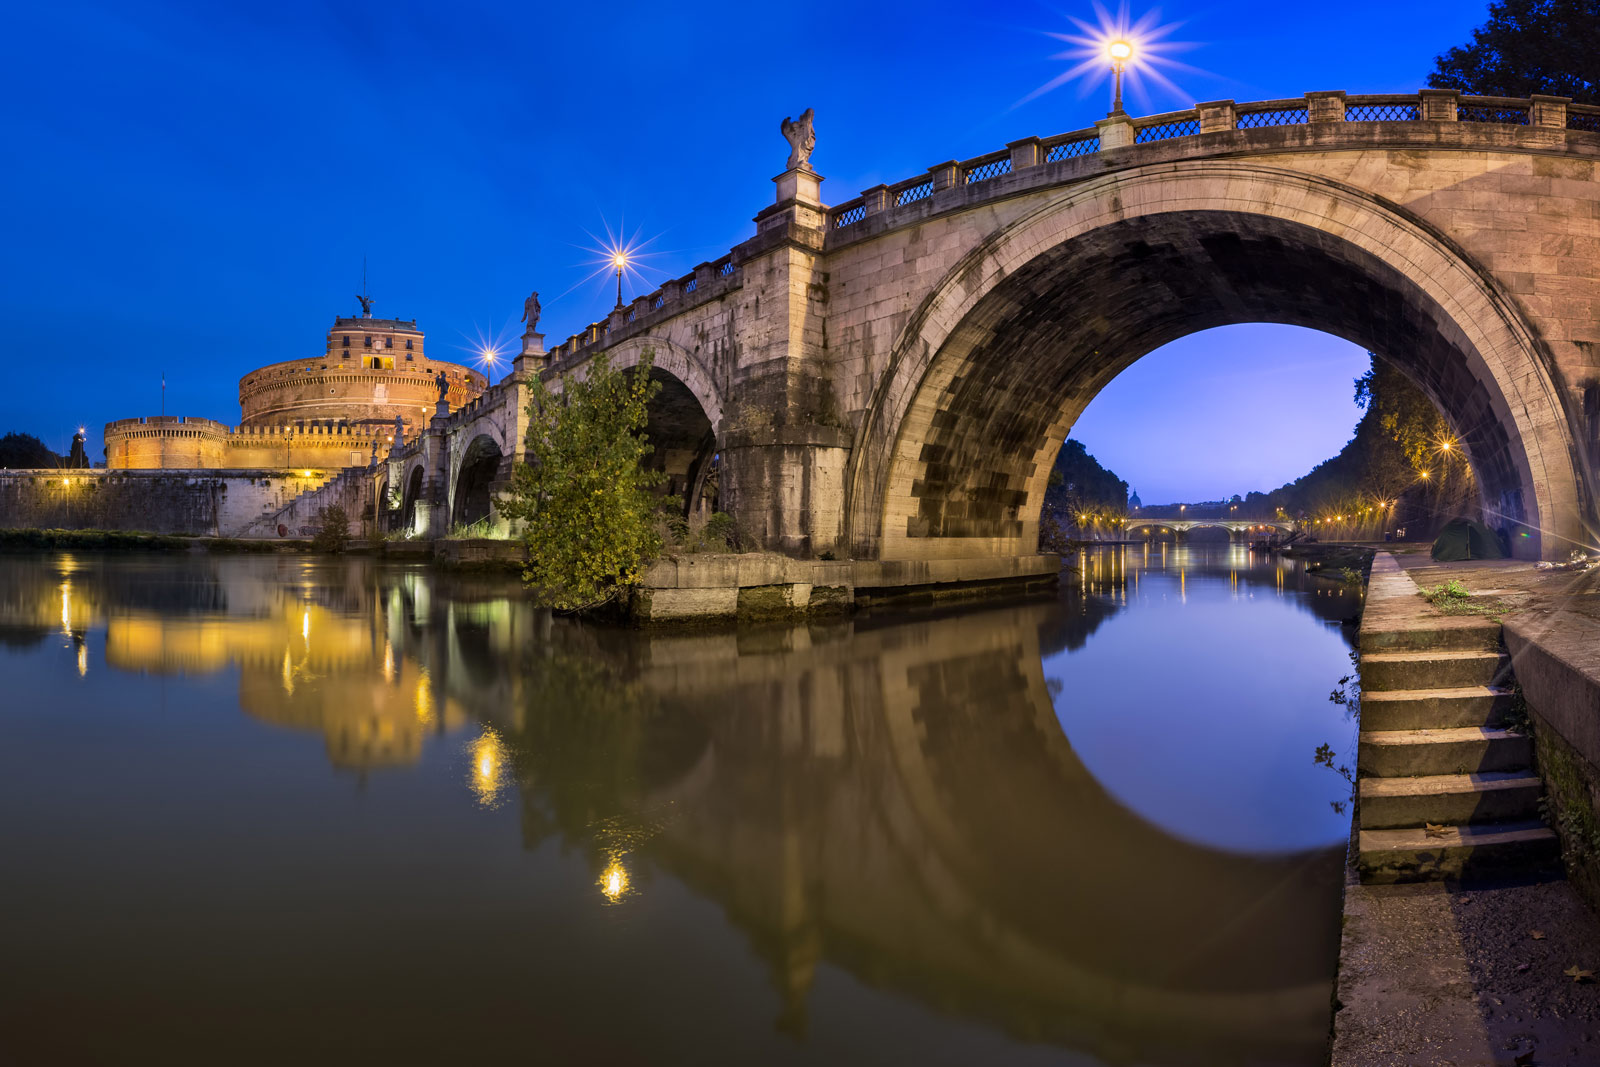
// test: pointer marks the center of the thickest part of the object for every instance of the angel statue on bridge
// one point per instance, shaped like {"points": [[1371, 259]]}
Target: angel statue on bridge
{"points": [[530, 312], [802, 138]]}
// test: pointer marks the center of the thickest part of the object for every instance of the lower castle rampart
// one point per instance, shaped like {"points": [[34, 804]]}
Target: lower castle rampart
{"points": [[178, 443]]}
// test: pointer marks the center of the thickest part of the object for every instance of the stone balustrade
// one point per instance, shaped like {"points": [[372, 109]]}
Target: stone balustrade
{"points": [[709, 281], [1221, 116], [705, 283]]}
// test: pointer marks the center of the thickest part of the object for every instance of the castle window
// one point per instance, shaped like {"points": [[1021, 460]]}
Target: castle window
{"points": [[408, 345], [368, 341], [347, 342]]}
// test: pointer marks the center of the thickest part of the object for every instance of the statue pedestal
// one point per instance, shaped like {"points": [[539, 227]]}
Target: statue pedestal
{"points": [[801, 184], [532, 359]]}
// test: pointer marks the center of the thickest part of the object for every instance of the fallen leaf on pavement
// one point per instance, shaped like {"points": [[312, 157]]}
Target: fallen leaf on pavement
{"points": [[1577, 974], [1537, 935], [1432, 830]]}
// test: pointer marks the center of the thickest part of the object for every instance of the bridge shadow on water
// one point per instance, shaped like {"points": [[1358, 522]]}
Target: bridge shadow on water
{"points": [[875, 807]]}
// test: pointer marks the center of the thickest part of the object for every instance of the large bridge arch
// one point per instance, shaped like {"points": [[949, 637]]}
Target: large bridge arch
{"points": [[997, 362]]}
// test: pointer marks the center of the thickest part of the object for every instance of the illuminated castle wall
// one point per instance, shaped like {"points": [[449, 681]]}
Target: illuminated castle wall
{"points": [[323, 413]]}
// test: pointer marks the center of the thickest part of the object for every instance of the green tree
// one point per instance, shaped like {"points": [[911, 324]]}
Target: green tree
{"points": [[1527, 47], [584, 497], [1405, 415], [23, 451], [333, 530]]}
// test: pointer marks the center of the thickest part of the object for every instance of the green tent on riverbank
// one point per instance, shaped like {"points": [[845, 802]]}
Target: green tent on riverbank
{"points": [[1466, 539]]}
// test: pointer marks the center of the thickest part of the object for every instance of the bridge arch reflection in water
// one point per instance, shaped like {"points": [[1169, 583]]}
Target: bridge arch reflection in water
{"points": [[893, 801]]}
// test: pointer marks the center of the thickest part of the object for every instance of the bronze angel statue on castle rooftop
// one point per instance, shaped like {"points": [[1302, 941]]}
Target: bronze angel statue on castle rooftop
{"points": [[802, 137]]}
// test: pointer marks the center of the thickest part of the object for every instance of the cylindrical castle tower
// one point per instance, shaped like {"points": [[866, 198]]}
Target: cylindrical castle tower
{"points": [[371, 371]]}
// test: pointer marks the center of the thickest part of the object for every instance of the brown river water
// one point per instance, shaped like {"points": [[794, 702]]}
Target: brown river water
{"points": [[284, 809]]}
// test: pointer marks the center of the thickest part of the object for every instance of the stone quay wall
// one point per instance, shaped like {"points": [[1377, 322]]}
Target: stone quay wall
{"points": [[197, 502], [1557, 662]]}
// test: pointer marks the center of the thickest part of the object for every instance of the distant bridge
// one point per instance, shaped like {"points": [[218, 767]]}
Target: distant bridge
{"points": [[890, 378], [1238, 529]]}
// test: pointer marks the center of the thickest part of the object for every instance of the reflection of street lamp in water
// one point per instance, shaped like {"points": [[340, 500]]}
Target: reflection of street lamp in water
{"points": [[614, 882]]}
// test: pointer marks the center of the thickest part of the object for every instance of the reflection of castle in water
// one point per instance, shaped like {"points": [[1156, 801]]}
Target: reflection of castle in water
{"points": [[318, 645], [895, 798]]}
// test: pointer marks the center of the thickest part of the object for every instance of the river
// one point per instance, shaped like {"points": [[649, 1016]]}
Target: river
{"points": [[305, 809]]}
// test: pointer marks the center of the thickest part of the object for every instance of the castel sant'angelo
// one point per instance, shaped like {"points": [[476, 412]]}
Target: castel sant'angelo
{"points": [[323, 412]]}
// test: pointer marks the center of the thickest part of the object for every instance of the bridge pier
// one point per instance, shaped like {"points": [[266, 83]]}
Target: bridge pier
{"points": [[788, 489]]}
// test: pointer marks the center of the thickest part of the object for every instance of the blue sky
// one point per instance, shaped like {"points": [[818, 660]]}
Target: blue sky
{"points": [[191, 187]]}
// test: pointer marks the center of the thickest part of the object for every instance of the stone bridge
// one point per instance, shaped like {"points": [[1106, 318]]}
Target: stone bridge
{"points": [[890, 378], [1238, 529]]}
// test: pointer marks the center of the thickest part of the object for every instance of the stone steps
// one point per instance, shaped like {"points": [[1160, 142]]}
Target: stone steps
{"points": [[1411, 855], [1435, 691], [1417, 709], [1432, 670], [1457, 633], [1455, 750], [1491, 796]]}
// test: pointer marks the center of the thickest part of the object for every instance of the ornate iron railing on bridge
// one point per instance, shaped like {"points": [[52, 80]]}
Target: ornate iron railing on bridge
{"points": [[1509, 113], [985, 167], [849, 214], [1383, 111], [1585, 117], [1162, 127], [911, 192], [1250, 119]]}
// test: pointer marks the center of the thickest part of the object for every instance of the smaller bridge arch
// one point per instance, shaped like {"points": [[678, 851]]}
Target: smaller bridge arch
{"points": [[474, 478], [414, 482], [684, 418]]}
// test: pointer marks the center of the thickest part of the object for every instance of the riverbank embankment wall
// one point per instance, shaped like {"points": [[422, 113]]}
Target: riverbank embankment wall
{"points": [[1556, 656], [200, 502]]}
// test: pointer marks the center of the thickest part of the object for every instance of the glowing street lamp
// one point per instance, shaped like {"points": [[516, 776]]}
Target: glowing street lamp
{"points": [[489, 356], [1120, 52], [619, 260]]}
